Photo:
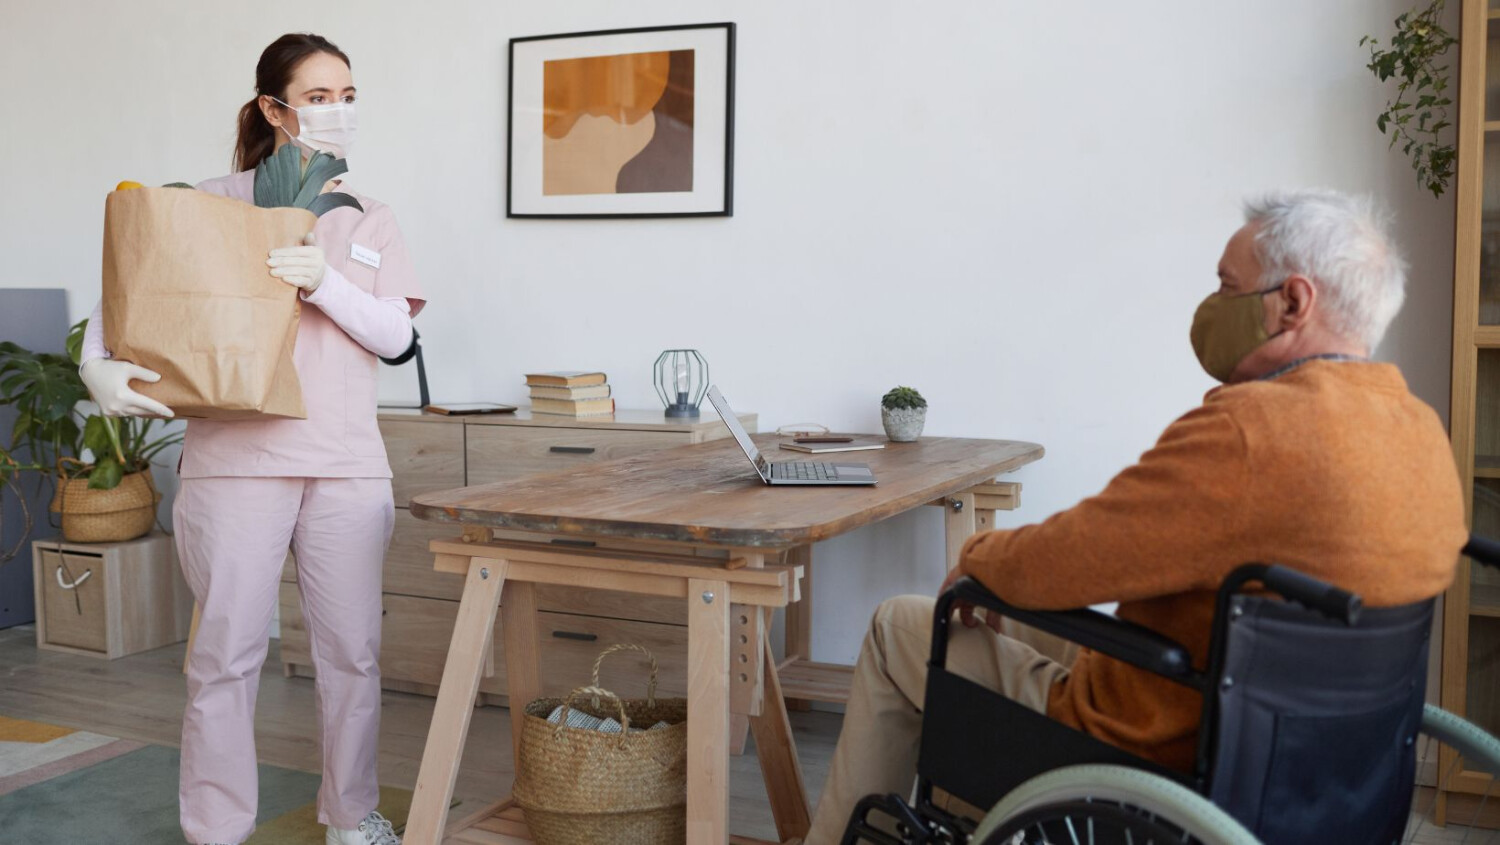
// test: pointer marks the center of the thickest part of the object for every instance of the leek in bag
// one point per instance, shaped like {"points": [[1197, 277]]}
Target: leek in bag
{"points": [[283, 181]]}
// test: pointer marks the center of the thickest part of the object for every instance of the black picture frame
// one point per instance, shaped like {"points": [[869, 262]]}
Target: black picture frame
{"points": [[727, 207]]}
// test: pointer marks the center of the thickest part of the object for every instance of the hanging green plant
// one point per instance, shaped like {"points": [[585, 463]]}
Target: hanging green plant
{"points": [[283, 180], [1418, 115]]}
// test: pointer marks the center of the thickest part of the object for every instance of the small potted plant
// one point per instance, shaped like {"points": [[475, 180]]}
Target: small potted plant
{"points": [[903, 411], [108, 498]]}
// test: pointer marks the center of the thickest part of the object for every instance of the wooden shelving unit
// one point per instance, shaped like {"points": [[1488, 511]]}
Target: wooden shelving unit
{"points": [[1471, 610]]}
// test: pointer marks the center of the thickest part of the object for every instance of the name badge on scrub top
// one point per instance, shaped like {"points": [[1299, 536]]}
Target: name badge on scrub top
{"points": [[365, 255]]}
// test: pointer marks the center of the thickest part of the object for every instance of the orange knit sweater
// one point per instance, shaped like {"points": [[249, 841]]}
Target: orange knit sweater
{"points": [[1333, 468]]}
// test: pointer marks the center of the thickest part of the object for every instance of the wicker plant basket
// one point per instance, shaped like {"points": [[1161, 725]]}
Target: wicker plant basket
{"points": [[584, 787], [105, 516]]}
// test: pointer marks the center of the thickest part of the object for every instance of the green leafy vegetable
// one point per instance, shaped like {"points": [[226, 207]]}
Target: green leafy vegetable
{"points": [[282, 181], [331, 200]]}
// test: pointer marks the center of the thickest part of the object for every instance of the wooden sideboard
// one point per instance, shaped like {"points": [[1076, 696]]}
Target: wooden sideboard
{"points": [[431, 452]]}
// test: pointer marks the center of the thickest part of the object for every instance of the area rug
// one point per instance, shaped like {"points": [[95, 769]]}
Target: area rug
{"points": [[66, 786]]}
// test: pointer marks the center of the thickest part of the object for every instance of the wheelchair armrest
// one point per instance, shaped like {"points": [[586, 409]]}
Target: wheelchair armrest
{"points": [[1125, 641], [1483, 550]]}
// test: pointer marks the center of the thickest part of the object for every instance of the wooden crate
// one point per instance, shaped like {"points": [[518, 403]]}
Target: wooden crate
{"points": [[109, 599]]}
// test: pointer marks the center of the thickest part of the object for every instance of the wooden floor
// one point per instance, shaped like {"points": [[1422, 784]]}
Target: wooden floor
{"points": [[141, 697]]}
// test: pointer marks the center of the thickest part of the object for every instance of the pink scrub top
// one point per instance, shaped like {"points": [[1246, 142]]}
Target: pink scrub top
{"points": [[340, 437]]}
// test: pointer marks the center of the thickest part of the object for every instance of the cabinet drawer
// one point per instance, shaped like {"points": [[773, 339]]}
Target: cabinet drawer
{"points": [[504, 452], [408, 563], [570, 644], [416, 632], [608, 603], [424, 456]]}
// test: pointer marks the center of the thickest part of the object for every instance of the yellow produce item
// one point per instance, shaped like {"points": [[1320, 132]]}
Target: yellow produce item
{"points": [[127, 185]]}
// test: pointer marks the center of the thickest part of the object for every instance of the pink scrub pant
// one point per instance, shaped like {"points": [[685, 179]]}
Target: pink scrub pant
{"points": [[232, 538]]}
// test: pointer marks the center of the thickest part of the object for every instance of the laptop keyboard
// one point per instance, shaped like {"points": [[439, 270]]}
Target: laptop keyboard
{"points": [[804, 471]]}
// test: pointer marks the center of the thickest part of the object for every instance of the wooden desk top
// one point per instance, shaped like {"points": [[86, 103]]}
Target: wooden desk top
{"points": [[624, 419], [708, 494]]}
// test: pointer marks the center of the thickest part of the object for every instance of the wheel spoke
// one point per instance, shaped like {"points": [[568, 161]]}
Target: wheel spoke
{"points": [[1094, 822]]}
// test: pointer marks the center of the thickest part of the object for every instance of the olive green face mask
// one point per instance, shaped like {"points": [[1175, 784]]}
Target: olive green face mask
{"points": [[1226, 328]]}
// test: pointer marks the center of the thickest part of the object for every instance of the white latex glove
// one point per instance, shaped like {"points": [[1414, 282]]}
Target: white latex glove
{"points": [[299, 266], [109, 383]]}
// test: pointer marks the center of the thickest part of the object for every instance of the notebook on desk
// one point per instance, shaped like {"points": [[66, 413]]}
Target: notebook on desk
{"points": [[458, 408], [788, 472], [854, 445]]}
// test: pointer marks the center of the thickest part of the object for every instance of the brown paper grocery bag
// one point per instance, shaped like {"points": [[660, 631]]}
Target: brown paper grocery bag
{"points": [[187, 294]]}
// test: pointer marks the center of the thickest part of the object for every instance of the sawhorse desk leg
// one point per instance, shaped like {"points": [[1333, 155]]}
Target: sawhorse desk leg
{"points": [[961, 522], [779, 766], [523, 671], [708, 713], [973, 511], [455, 702], [799, 618]]}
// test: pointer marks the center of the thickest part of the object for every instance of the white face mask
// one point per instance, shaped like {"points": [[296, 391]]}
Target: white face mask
{"points": [[325, 128]]}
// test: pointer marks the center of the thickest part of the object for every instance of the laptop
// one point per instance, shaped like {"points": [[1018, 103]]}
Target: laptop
{"points": [[788, 472]]}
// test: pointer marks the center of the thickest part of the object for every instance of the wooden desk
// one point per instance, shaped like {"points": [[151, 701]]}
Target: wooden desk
{"points": [[733, 534]]}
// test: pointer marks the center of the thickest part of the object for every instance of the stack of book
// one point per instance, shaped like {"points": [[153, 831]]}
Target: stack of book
{"points": [[570, 394]]}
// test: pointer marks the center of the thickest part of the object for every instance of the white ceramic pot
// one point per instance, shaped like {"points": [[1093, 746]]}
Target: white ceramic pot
{"points": [[903, 425]]}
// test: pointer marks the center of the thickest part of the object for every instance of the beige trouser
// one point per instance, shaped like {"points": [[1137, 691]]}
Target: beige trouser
{"points": [[877, 751]]}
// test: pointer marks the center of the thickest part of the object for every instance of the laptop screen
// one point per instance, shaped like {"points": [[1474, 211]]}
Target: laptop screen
{"points": [[741, 436]]}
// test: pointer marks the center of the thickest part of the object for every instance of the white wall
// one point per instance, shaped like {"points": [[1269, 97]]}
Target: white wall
{"points": [[1014, 207]]}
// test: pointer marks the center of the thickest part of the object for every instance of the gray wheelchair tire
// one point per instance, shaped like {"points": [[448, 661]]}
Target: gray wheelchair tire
{"points": [[1476, 744], [1194, 814]]}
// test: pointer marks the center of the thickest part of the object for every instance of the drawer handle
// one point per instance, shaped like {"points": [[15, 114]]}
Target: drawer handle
{"points": [[74, 585], [582, 544], [573, 635], [573, 450]]}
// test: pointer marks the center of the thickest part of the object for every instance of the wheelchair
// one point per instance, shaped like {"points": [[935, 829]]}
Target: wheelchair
{"points": [[1312, 707]]}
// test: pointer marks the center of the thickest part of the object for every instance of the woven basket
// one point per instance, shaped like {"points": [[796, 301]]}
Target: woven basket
{"points": [[583, 787], [106, 516]]}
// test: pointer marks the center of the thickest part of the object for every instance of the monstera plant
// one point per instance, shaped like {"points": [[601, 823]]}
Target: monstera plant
{"points": [[85, 455]]}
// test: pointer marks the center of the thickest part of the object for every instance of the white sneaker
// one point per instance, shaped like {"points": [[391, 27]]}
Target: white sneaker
{"points": [[374, 830]]}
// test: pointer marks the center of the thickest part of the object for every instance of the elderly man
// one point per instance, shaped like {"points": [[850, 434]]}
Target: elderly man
{"points": [[1310, 455]]}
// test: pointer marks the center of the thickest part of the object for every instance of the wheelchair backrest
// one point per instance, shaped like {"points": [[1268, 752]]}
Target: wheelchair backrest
{"points": [[1315, 722]]}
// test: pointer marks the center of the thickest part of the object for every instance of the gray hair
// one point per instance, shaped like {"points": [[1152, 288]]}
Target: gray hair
{"points": [[1341, 243]]}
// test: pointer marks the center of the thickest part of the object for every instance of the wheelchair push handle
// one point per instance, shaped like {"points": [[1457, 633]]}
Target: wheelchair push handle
{"points": [[1339, 605], [1483, 550]]}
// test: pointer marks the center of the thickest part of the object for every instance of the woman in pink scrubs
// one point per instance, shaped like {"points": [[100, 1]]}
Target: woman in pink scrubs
{"points": [[319, 486]]}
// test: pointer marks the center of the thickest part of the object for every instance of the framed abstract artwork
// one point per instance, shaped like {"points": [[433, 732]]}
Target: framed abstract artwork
{"points": [[622, 123]]}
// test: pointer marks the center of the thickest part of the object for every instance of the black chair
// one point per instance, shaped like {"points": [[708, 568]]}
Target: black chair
{"points": [[1312, 706]]}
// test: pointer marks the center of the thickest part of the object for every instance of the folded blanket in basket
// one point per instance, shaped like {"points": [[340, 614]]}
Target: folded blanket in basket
{"points": [[579, 719]]}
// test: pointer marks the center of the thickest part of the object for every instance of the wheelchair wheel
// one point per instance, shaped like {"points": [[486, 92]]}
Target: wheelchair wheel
{"points": [[1100, 804]]}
